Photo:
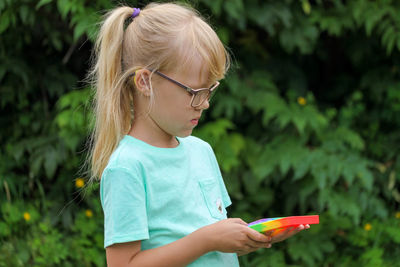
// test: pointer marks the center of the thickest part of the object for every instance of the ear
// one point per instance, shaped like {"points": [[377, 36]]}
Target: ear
{"points": [[142, 81]]}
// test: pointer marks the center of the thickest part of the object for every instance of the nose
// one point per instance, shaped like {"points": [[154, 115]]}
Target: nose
{"points": [[204, 105]]}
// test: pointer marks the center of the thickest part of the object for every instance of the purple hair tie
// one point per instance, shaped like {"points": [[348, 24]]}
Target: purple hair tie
{"points": [[136, 12]]}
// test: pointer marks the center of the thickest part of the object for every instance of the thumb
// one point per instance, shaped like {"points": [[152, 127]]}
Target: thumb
{"points": [[256, 236]]}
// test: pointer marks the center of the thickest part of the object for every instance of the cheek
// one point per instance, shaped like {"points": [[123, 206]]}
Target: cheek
{"points": [[171, 107], [172, 99]]}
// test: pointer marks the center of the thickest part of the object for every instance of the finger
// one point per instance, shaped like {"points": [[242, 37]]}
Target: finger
{"points": [[302, 227], [269, 233], [245, 251], [295, 230], [256, 244], [267, 245], [286, 231], [282, 235], [306, 226], [240, 253], [249, 248], [256, 236], [298, 229]]}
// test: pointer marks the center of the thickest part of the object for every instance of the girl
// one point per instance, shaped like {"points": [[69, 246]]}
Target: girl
{"points": [[161, 190]]}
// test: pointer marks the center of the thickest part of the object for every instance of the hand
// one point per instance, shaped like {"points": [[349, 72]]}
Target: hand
{"points": [[234, 236], [285, 234]]}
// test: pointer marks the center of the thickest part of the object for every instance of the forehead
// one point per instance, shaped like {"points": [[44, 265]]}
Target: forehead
{"points": [[196, 74]]}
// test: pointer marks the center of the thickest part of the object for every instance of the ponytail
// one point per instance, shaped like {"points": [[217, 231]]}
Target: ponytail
{"points": [[112, 98]]}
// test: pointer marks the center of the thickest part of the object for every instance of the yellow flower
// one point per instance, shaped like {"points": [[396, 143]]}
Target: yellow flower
{"points": [[27, 216], [301, 100], [79, 182], [397, 215], [367, 227], [89, 213]]}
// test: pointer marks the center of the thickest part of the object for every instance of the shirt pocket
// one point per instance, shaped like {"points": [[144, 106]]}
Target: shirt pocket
{"points": [[212, 196]]}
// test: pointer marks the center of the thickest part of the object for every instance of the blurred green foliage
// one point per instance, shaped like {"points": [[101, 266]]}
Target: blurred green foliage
{"points": [[306, 122]]}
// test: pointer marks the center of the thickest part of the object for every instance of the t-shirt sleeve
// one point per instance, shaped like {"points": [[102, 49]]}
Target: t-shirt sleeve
{"points": [[123, 200], [224, 193]]}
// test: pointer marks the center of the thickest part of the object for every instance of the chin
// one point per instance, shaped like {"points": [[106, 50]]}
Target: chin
{"points": [[184, 134]]}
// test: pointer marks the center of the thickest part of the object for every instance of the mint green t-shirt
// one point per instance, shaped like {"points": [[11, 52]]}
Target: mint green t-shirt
{"points": [[159, 195]]}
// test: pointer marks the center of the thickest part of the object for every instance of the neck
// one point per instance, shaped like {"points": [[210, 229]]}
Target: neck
{"points": [[146, 130]]}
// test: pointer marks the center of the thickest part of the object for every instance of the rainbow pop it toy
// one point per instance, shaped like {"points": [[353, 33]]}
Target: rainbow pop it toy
{"points": [[279, 224]]}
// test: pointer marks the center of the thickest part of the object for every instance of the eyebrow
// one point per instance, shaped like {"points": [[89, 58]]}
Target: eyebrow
{"points": [[203, 85], [198, 87]]}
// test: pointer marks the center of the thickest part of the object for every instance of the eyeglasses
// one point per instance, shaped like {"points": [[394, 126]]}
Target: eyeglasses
{"points": [[198, 95]]}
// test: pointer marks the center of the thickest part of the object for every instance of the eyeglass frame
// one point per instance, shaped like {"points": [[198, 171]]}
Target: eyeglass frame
{"points": [[194, 92]]}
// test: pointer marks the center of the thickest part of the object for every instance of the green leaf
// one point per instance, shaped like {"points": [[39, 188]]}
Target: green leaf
{"points": [[366, 178], [373, 19], [264, 164], [270, 16], [42, 3], [299, 119], [223, 34], [234, 8], [36, 163], [4, 230], [251, 184], [215, 5], [373, 257], [350, 137], [79, 29], [57, 43], [344, 204], [301, 167], [4, 21], [50, 163], [393, 232], [24, 13], [64, 7]]}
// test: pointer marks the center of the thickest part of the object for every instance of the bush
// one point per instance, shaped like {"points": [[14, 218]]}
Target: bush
{"points": [[305, 123]]}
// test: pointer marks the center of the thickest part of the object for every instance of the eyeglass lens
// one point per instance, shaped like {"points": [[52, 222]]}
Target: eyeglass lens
{"points": [[200, 97]]}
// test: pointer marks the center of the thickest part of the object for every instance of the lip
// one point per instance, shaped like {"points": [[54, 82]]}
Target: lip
{"points": [[195, 121]]}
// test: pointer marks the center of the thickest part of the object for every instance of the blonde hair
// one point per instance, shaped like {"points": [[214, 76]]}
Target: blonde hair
{"points": [[161, 37]]}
